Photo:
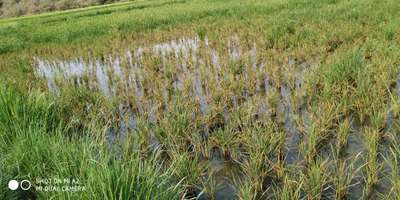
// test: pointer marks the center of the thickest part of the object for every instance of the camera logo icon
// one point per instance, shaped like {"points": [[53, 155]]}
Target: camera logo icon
{"points": [[13, 185], [24, 185]]}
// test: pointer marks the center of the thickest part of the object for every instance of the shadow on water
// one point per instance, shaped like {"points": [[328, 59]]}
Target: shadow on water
{"points": [[356, 149], [288, 112], [223, 173], [117, 135], [292, 135], [219, 179]]}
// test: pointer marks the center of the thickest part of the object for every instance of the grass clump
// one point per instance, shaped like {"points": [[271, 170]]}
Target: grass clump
{"points": [[33, 130]]}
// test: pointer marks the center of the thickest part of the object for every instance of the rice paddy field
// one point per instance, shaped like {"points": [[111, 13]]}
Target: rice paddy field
{"points": [[203, 99]]}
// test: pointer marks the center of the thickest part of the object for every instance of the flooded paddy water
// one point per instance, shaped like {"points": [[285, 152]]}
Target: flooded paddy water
{"points": [[149, 81]]}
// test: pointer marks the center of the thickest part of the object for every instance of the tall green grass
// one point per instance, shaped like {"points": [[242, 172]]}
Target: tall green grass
{"points": [[34, 143]]}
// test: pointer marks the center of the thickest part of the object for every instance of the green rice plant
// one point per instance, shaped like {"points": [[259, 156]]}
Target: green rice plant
{"points": [[339, 79], [31, 123], [189, 169], [320, 129], [176, 129], [246, 191], [372, 167], [17, 114], [261, 162], [290, 189], [316, 179], [134, 179], [344, 172], [309, 146], [344, 72], [394, 177], [342, 134], [390, 34], [201, 32], [228, 142], [280, 32]]}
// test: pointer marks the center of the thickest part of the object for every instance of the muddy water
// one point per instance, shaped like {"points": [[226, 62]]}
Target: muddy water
{"points": [[292, 135], [356, 151], [224, 173], [126, 124], [199, 93]]}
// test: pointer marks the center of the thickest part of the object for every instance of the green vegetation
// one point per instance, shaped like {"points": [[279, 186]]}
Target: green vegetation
{"points": [[36, 142], [292, 99]]}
